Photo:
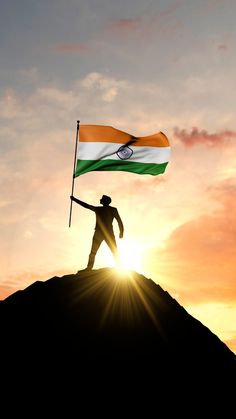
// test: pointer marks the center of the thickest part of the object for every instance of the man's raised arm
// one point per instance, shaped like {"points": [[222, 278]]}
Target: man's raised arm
{"points": [[82, 203]]}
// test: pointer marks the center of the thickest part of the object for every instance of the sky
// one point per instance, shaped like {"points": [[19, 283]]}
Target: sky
{"points": [[141, 66]]}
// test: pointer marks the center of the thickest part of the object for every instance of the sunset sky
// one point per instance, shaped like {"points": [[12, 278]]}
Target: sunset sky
{"points": [[141, 66]]}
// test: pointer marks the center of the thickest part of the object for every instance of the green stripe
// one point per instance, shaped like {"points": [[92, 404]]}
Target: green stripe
{"points": [[84, 166]]}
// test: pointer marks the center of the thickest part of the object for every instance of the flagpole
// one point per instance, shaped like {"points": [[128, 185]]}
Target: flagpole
{"points": [[73, 177]]}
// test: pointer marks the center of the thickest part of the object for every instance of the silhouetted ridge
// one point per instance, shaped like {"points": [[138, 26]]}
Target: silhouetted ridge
{"points": [[102, 317]]}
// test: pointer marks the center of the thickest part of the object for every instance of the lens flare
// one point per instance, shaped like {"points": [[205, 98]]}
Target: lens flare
{"points": [[130, 255]]}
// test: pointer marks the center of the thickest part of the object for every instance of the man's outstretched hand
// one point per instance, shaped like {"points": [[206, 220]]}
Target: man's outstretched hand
{"points": [[121, 236]]}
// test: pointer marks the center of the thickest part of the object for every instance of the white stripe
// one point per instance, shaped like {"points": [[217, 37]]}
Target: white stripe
{"points": [[107, 151]]}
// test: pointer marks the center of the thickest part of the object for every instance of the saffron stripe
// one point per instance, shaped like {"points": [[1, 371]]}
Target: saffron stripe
{"points": [[107, 134]]}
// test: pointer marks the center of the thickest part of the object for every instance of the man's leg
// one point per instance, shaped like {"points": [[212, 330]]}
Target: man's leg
{"points": [[97, 240], [111, 242]]}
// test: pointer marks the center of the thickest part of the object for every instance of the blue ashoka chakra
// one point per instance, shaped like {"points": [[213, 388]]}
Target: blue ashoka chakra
{"points": [[124, 152]]}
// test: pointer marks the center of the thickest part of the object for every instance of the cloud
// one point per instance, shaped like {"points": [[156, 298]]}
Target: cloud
{"points": [[222, 46], [196, 137], [108, 86], [9, 104], [198, 260], [72, 48], [139, 108], [165, 23], [221, 42], [125, 27], [225, 194], [142, 29]]}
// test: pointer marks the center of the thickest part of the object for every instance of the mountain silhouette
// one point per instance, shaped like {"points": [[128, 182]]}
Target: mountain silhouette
{"points": [[111, 321]]}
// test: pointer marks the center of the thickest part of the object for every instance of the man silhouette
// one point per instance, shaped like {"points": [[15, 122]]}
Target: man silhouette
{"points": [[103, 227]]}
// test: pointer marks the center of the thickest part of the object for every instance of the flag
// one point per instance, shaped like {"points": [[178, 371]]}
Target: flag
{"points": [[106, 148]]}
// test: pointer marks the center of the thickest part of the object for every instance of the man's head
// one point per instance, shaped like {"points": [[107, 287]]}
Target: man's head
{"points": [[105, 200]]}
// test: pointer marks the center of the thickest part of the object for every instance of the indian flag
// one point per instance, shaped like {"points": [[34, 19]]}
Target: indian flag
{"points": [[106, 148]]}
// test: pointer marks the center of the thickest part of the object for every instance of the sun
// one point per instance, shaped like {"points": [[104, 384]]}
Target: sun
{"points": [[130, 254]]}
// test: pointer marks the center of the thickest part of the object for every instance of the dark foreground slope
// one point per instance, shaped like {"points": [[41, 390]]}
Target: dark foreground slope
{"points": [[101, 318]]}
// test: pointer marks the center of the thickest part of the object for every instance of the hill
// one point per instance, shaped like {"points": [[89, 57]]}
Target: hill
{"points": [[102, 320]]}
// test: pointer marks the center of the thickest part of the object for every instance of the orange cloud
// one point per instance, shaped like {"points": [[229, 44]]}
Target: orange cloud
{"points": [[225, 193], [222, 46], [198, 262], [71, 48], [164, 22], [127, 25], [197, 136], [124, 28]]}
